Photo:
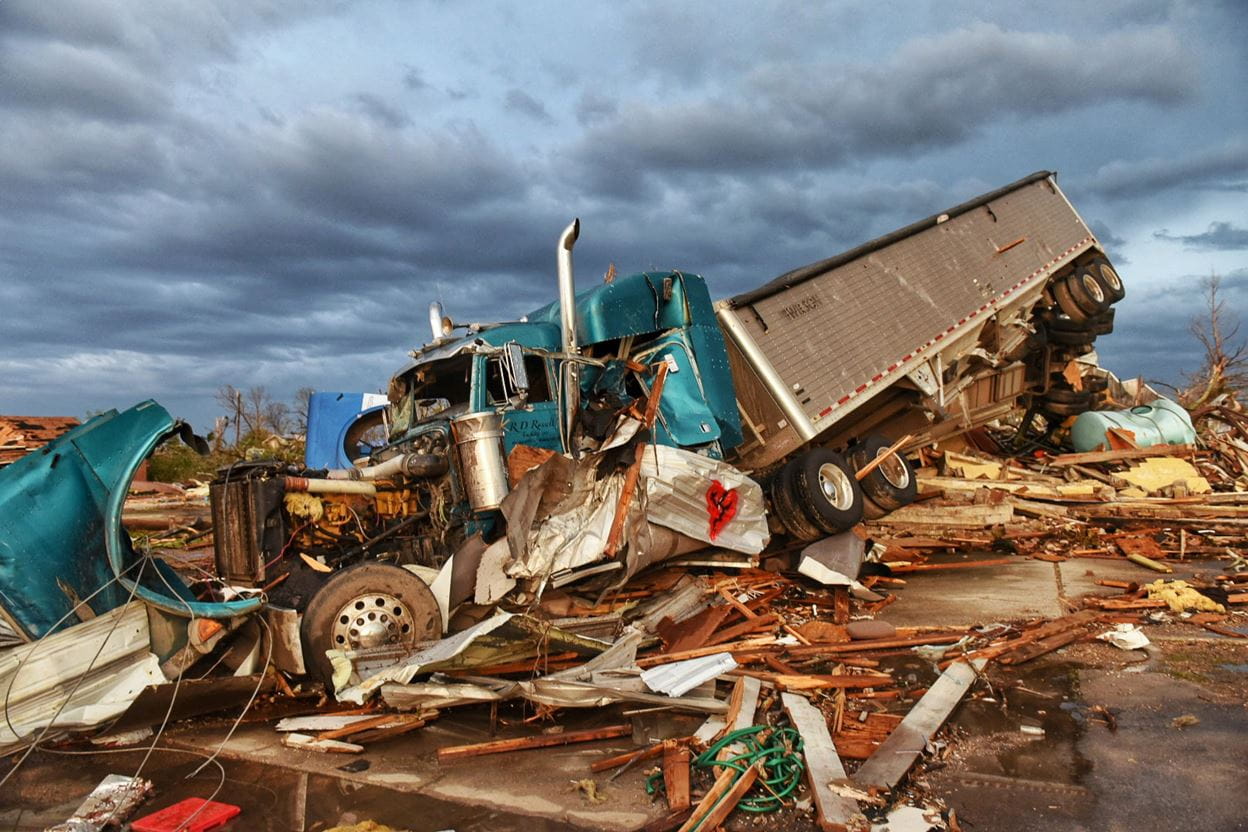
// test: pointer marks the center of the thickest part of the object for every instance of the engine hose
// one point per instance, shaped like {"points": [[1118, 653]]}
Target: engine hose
{"points": [[782, 765]]}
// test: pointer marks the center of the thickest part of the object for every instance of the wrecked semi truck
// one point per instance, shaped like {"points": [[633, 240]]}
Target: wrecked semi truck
{"points": [[929, 331]]}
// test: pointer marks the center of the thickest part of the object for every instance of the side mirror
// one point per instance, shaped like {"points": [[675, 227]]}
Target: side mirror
{"points": [[513, 358]]}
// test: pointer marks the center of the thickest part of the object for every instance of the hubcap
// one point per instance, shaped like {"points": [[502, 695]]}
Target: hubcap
{"points": [[834, 484], [1094, 288], [1111, 277], [372, 620], [894, 470]]}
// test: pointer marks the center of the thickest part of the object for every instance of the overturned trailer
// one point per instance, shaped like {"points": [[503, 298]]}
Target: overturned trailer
{"points": [[801, 385]]}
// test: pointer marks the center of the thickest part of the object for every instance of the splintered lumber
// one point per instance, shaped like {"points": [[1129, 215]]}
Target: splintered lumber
{"points": [[1149, 563], [934, 567], [634, 470], [1042, 639], [627, 758], [676, 776], [1091, 457], [835, 812], [694, 631], [867, 645], [307, 742], [739, 649], [456, 752], [890, 762], [723, 797], [752, 625], [807, 681], [971, 517], [881, 457]]}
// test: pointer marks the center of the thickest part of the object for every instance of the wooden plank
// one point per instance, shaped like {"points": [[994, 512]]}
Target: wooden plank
{"points": [[628, 757], [634, 470], [1090, 457], [834, 812], [753, 625], [751, 646], [456, 752], [722, 799], [936, 567], [866, 470], [676, 777], [867, 645], [693, 631], [897, 754]]}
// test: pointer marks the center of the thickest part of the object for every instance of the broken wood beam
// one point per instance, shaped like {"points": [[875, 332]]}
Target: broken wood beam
{"points": [[1063, 460], [456, 752], [723, 797], [890, 762], [834, 811], [676, 776]]}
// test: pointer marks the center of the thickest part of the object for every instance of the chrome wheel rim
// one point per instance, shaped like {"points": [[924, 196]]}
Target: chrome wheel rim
{"points": [[1111, 277], [894, 470], [371, 620], [835, 487], [1093, 287]]}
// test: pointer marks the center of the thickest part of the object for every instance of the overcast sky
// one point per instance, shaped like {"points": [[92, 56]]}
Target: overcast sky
{"points": [[270, 192]]}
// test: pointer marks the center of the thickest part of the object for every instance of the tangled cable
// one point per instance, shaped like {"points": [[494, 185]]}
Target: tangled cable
{"points": [[777, 752]]}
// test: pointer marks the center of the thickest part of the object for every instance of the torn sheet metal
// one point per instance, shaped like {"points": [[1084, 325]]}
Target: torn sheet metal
{"points": [[836, 561], [109, 804], [504, 637], [704, 498], [575, 532], [492, 581], [61, 531], [677, 678], [37, 678]]}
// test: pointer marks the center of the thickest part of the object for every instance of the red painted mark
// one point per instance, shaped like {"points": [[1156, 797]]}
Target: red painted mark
{"points": [[721, 506]]}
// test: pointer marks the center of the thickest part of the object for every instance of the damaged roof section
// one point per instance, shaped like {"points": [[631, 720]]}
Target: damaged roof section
{"points": [[19, 435]]}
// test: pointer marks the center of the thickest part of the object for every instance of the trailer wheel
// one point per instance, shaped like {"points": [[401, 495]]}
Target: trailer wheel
{"points": [[1108, 276], [1095, 384], [826, 488], [366, 605], [1074, 338], [1088, 293], [1066, 302], [1064, 323], [1102, 324], [892, 484], [785, 503], [1066, 408], [1066, 395]]}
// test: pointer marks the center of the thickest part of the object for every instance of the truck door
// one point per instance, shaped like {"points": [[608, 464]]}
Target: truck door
{"points": [[535, 421]]}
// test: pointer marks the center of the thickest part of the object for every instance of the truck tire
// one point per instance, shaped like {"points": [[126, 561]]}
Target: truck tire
{"points": [[1073, 338], [785, 504], [366, 605], [1066, 408], [1066, 303], [1066, 395], [1102, 324], [1064, 323], [1108, 276], [892, 484], [1088, 292], [1095, 384], [826, 488]]}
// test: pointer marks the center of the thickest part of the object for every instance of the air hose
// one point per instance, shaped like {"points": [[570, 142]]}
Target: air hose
{"points": [[776, 750]]}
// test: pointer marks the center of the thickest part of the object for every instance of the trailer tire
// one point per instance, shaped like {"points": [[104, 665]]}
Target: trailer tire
{"points": [[1088, 293], [1108, 276], [1072, 339], [1066, 303], [1065, 408], [1064, 323], [366, 605], [826, 488], [1095, 384], [1102, 324], [892, 484], [785, 503], [1066, 395]]}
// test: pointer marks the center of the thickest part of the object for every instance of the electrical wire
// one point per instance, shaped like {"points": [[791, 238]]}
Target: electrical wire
{"points": [[77, 682]]}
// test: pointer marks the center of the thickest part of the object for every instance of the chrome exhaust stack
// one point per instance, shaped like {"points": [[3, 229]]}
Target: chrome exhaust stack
{"points": [[570, 375], [437, 321]]}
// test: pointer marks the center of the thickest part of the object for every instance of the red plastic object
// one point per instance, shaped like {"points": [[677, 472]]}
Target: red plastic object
{"points": [[174, 818]]}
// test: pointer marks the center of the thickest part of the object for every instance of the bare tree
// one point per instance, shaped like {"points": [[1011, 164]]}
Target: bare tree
{"points": [[1226, 362], [299, 410]]}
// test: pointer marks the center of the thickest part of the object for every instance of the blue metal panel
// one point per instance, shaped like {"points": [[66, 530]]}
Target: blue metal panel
{"points": [[330, 415], [61, 531]]}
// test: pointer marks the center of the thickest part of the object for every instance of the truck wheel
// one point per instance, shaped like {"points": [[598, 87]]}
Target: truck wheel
{"points": [[1108, 276], [785, 503], [1088, 293], [1072, 339], [1067, 396], [1063, 323], [826, 488], [1066, 408], [1102, 324], [367, 605], [891, 485], [1066, 303], [1095, 384]]}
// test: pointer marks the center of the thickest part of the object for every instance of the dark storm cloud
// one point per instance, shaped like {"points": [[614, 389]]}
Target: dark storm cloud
{"points": [[413, 79], [932, 92], [1111, 242], [1221, 236], [519, 101], [1220, 166], [380, 110]]}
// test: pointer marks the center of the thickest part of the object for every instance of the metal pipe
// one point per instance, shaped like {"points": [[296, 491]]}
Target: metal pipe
{"points": [[570, 373], [436, 320], [329, 486], [411, 465], [775, 385]]}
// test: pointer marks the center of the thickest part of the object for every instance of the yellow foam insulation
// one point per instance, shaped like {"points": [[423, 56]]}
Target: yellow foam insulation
{"points": [[1156, 473], [307, 506], [1180, 597], [364, 826]]}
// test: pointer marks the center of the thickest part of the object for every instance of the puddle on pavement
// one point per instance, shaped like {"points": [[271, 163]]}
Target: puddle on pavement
{"points": [[48, 788], [1235, 668]]}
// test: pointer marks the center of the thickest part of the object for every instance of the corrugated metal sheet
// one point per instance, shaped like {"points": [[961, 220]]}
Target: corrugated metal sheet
{"points": [[52, 665], [678, 678]]}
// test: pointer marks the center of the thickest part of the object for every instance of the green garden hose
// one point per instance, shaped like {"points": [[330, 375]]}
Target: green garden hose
{"points": [[777, 750]]}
